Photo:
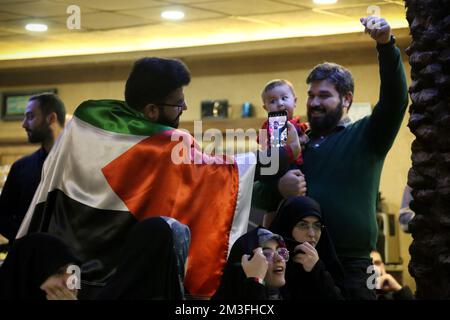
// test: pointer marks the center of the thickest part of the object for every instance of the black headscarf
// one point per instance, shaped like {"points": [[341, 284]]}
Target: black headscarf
{"points": [[149, 267], [290, 212], [233, 274], [30, 261]]}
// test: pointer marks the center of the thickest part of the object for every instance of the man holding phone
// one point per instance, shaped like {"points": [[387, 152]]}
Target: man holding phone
{"points": [[343, 161]]}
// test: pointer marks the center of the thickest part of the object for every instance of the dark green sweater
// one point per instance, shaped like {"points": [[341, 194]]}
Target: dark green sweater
{"points": [[343, 173]]}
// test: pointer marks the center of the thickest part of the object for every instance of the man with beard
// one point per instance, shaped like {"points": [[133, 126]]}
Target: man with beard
{"points": [[43, 121], [343, 160]]}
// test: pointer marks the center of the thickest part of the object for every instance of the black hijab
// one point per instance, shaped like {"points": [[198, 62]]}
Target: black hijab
{"points": [[233, 274], [30, 261], [289, 213], [149, 267]]}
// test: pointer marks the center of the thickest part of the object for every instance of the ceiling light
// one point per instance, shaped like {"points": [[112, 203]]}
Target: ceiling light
{"points": [[324, 1], [172, 15], [36, 27]]}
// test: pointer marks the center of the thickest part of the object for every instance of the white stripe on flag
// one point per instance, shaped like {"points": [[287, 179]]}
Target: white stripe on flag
{"points": [[246, 166], [74, 166]]}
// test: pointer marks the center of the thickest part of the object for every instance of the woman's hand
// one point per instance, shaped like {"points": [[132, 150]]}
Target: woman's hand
{"points": [[56, 288], [257, 266], [387, 282], [309, 258]]}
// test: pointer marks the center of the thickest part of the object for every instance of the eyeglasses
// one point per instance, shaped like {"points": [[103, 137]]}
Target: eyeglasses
{"points": [[281, 252], [305, 226], [171, 105]]}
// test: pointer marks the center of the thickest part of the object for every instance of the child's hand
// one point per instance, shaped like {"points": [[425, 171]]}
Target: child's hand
{"points": [[304, 139], [263, 138], [293, 141]]}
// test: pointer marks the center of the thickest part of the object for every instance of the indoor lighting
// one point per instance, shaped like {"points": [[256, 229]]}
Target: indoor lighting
{"points": [[36, 27], [173, 15], [324, 1]]}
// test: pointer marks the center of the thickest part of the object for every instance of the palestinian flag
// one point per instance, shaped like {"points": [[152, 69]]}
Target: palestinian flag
{"points": [[112, 167]]}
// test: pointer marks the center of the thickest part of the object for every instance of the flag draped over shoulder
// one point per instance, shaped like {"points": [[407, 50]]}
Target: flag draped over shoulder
{"points": [[112, 167]]}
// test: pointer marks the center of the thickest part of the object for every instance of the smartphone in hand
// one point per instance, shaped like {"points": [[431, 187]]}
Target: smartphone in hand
{"points": [[277, 129], [291, 244]]}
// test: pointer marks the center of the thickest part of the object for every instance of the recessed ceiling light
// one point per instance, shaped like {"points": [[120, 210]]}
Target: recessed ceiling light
{"points": [[324, 1], [36, 27], [172, 15]]}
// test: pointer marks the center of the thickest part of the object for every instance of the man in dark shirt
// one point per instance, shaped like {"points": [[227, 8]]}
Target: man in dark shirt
{"points": [[343, 161], [43, 121]]}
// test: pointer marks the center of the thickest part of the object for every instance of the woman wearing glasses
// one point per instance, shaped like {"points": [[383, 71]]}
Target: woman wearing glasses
{"points": [[255, 268], [313, 267]]}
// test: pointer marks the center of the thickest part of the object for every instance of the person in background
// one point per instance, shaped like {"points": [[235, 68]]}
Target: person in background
{"points": [[405, 213], [255, 268], [36, 269], [153, 262], [44, 119], [386, 286]]}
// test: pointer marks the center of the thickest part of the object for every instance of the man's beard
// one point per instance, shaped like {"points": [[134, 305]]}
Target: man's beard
{"points": [[40, 134], [166, 121], [326, 123]]}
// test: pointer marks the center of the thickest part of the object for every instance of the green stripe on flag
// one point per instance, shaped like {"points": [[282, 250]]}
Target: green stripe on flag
{"points": [[116, 116]]}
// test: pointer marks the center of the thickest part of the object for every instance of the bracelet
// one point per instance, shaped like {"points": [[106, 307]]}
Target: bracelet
{"points": [[258, 280]]}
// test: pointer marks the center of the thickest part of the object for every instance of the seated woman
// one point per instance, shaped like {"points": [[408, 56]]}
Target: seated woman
{"points": [[35, 269], [153, 264], [259, 277], [314, 267]]}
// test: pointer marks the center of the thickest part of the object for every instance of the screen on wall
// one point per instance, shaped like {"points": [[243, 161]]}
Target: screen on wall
{"points": [[15, 103]]}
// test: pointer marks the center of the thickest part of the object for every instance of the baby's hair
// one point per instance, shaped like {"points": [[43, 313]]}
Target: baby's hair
{"points": [[276, 83]]}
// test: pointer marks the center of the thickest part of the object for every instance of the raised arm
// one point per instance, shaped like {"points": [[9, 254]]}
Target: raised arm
{"points": [[388, 113]]}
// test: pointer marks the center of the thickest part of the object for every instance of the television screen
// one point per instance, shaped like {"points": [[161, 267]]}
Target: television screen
{"points": [[15, 103]]}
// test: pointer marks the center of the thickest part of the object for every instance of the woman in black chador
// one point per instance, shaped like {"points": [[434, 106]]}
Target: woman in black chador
{"points": [[313, 267], [153, 262]]}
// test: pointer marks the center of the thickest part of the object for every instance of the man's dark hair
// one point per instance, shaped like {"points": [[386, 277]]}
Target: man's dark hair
{"points": [[153, 79], [50, 102], [335, 74]]}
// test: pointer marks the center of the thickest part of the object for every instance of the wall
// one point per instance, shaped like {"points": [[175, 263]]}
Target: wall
{"points": [[240, 79]]}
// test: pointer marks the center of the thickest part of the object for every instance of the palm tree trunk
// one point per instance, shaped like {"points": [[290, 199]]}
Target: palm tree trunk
{"points": [[429, 177]]}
